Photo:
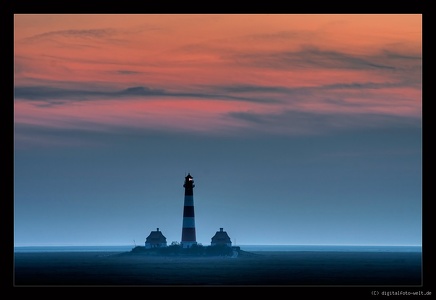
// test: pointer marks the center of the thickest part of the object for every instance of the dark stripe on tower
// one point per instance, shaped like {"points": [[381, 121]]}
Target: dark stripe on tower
{"points": [[189, 191], [188, 211], [188, 234]]}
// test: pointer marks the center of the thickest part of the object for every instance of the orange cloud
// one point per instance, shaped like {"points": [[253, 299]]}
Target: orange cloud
{"points": [[330, 64]]}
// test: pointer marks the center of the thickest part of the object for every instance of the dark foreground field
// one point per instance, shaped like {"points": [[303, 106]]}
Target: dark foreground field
{"points": [[294, 268]]}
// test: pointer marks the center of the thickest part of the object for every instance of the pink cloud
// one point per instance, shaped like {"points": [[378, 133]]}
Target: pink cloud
{"points": [[303, 63]]}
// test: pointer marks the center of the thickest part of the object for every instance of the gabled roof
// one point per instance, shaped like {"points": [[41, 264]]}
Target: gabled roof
{"points": [[156, 237], [221, 237]]}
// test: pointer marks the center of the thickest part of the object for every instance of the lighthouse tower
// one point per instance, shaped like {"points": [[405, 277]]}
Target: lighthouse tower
{"points": [[188, 230]]}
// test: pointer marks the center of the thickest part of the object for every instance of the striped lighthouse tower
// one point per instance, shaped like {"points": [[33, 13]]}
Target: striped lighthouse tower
{"points": [[188, 230]]}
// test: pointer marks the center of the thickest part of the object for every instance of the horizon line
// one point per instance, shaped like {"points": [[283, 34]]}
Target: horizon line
{"points": [[126, 245]]}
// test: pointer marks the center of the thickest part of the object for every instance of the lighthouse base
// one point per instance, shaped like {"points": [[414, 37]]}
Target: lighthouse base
{"points": [[194, 251], [187, 244]]}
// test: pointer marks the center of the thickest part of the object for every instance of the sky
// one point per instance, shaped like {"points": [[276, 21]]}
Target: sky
{"points": [[298, 129]]}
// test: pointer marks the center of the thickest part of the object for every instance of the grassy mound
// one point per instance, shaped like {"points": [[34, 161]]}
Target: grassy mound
{"points": [[195, 250]]}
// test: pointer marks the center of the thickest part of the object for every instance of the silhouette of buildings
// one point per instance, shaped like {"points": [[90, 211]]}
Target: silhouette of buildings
{"points": [[155, 240], [221, 238]]}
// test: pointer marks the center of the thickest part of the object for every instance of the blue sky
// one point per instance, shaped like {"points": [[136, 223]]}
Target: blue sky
{"points": [[356, 187]]}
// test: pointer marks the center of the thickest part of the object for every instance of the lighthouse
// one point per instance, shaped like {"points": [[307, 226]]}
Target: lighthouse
{"points": [[188, 230]]}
